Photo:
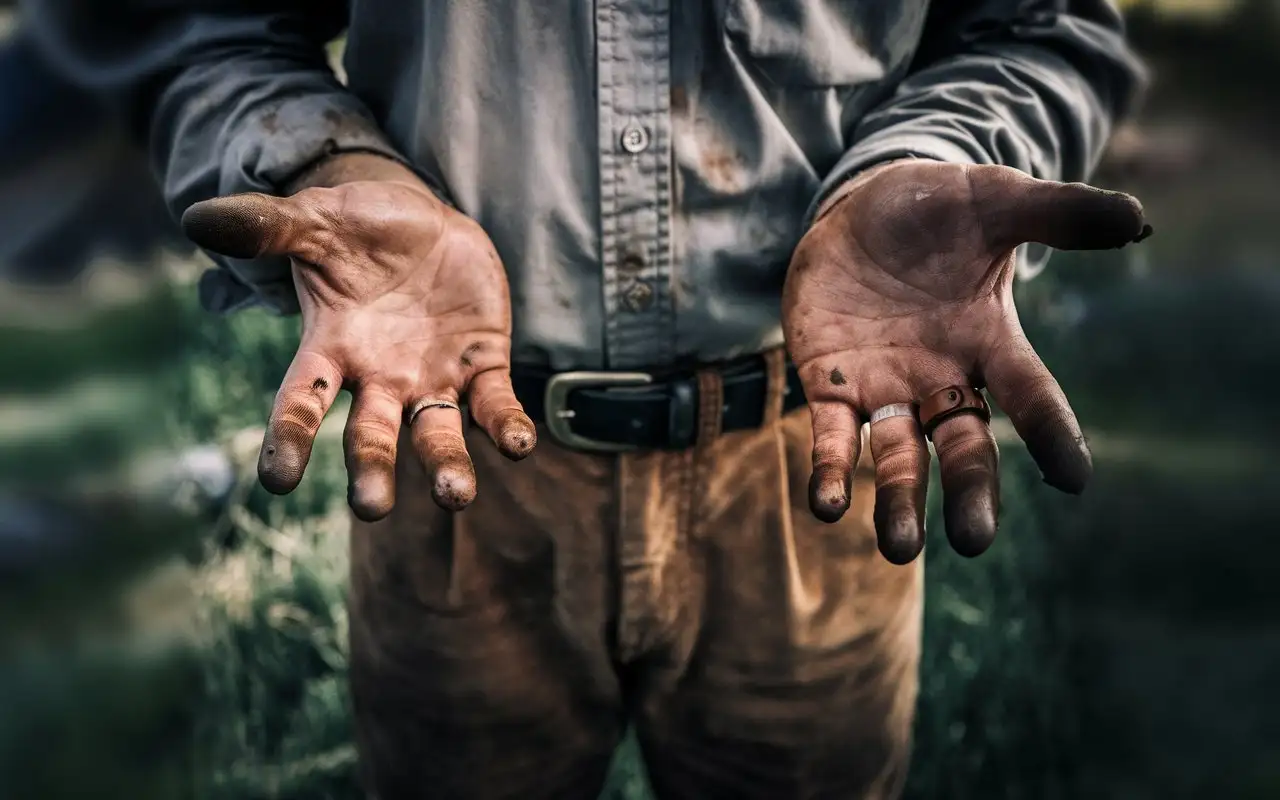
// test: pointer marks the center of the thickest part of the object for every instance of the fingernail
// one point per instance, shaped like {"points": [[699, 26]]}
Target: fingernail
{"points": [[518, 437], [971, 524], [902, 542], [453, 489], [829, 509], [827, 499], [1147, 230], [371, 496]]}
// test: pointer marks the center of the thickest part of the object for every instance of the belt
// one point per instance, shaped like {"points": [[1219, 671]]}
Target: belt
{"points": [[621, 411]]}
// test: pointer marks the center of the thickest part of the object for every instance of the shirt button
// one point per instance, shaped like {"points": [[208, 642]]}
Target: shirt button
{"points": [[637, 296], [635, 139], [632, 261]]}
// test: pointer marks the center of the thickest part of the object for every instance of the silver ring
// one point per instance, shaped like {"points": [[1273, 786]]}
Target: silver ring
{"points": [[423, 405], [893, 410]]}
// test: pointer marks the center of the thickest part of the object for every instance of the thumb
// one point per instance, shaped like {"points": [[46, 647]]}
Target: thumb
{"points": [[1015, 208], [243, 225]]}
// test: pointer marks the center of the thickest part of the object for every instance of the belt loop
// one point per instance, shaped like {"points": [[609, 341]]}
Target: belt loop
{"points": [[710, 407], [775, 384]]}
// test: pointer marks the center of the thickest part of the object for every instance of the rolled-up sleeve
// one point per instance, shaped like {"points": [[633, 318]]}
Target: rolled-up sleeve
{"points": [[1030, 84], [231, 95]]}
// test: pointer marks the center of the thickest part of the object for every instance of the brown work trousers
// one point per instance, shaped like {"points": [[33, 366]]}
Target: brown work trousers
{"points": [[501, 652]]}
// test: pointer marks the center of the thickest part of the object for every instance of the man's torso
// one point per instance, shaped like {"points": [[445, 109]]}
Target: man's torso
{"points": [[643, 167]]}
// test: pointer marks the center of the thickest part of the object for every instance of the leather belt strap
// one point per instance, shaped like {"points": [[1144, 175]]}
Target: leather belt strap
{"points": [[618, 411]]}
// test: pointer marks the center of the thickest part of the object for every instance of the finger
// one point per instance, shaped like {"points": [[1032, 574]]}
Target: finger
{"points": [[308, 390], [495, 408], [369, 443], [837, 443], [902, 475], [437, 438], [1015, 208], [1027, 392], [970, 465], [245, 225]]}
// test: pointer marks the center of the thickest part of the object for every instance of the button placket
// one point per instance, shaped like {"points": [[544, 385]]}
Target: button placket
{"points": [[635, 155]]}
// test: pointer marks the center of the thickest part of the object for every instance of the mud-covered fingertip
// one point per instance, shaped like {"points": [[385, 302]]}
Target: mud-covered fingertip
{"points": [[900, 539], [454, 487], [367, 510], [1072, 486], [1145, 233], [274, 484], [371, 496], [899, 523], [971, 522], [238, 226], [1115, 218], [1066, 468], [517, 435], [828, 494], [280, 468]]}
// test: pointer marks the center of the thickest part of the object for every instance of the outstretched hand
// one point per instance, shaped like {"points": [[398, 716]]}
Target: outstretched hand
{"points": [[405, 304], [903, 288]]}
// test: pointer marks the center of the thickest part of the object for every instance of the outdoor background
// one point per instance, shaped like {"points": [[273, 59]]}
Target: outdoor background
{"points": [[169, 630]]}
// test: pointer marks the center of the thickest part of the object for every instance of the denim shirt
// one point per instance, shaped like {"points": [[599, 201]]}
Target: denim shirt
{"points": [[644, 167]]}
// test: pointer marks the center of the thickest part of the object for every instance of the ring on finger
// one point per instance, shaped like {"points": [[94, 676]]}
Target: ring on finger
{"points": [[423, 405], [893, 410], [946, 403]]}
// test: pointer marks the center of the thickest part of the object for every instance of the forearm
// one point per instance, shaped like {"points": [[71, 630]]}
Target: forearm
{"points": [[231, 96], [347, 167], [1020, 84]]}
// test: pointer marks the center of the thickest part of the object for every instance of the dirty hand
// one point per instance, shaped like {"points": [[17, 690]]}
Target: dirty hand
{"points": [[904, 287], [404, 303]]}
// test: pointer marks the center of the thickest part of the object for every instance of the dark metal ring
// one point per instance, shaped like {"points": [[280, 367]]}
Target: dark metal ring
{"points": [[946, 403]]}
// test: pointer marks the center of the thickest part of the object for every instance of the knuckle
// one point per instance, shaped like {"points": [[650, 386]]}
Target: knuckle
{"points": [[901, 472], [832, 467], [373, 441], [904, 480], [968, 474], [963, 442], [371, 425], [441, 441], [900, 451], [301, 412]]}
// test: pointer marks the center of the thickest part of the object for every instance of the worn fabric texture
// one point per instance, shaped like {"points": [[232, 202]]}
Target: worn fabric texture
{"points": [[501, 652], [645, 168]]}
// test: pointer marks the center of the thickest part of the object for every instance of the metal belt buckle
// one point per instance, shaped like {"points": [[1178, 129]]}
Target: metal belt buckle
{"points": [[560, 416]]}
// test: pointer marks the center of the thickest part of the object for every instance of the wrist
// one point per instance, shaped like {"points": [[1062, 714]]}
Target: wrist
{"points": [[348, 167], [851, 184], [339, 168]]}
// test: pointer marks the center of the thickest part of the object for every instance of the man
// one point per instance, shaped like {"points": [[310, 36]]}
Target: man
{"points": [[591, 225]]}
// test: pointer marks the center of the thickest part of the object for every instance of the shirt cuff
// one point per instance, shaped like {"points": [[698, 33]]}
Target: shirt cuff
{"points": [[279, 140], [273, 145], [891, 146], [879, 149]]}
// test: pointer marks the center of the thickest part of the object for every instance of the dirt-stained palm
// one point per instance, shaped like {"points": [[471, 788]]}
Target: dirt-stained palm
{"points": [[404, 303], [903, 287]]}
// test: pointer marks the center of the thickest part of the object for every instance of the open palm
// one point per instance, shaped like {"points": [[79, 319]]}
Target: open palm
{"points": [[904, 287], [404, 303]]}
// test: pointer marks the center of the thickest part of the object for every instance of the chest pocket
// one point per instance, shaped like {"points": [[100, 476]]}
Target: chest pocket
{"points": [[822, 43]]}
